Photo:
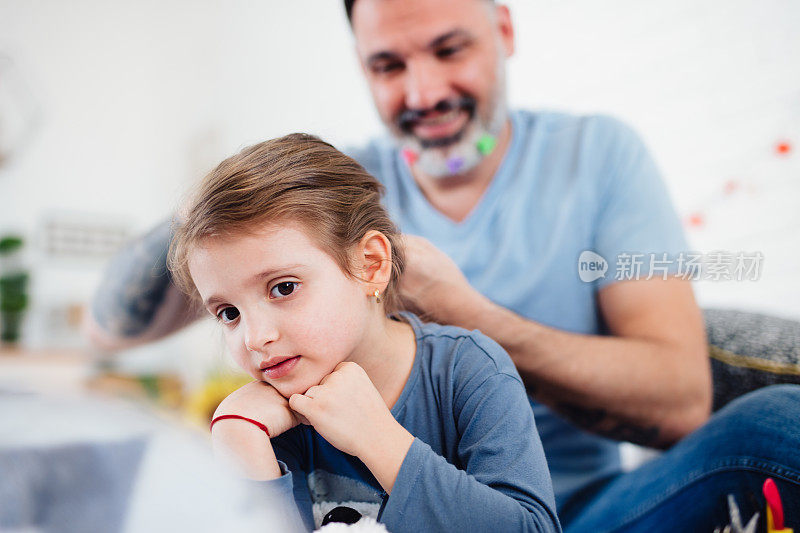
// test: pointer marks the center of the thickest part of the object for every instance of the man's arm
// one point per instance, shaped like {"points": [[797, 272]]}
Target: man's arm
{"points": [[136, 301], [648, 383]]}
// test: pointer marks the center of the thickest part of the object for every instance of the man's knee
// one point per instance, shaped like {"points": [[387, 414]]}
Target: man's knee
{"points": [[772, 399], [755, 420]]}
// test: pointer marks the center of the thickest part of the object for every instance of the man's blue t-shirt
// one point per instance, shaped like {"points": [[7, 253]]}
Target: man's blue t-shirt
{"points": [[476, 463], [567, 184]]}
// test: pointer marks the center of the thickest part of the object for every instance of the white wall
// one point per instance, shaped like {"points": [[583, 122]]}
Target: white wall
{"points": [[138, 98], [713, 87]]}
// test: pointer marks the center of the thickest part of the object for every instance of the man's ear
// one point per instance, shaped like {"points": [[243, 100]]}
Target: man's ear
{"points": [[506, 28], [375, 259]]}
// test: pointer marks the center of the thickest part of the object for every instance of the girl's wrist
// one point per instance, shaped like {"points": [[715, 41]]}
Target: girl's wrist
{"points": [[256, 423], [385, 452], [246, 448]]}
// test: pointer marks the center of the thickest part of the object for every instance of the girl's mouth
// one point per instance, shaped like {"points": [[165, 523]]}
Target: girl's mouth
{"points": [[281, 368]]}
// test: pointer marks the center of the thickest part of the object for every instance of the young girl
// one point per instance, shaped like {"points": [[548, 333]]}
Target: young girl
{"points": [[424, 427]]}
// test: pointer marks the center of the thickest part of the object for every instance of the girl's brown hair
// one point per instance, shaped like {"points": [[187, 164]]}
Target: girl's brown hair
{"points": [[296, 178]]}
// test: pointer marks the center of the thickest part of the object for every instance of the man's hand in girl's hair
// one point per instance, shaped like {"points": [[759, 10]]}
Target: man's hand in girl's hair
{"points": [[432, 284], [349, 412]]}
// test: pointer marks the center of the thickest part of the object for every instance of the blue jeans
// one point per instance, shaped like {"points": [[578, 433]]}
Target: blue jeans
{"points": [[752, 438]]}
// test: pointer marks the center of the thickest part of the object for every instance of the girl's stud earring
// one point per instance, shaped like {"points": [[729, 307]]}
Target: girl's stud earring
{"points": [[377, 295]]}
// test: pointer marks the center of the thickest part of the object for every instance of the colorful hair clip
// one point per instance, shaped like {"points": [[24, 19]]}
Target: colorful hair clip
{"points": [[486, 144], [454, 164], [410, 156]]}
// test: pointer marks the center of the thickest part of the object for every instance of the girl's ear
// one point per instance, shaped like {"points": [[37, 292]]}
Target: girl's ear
{"points": [[375, 260]]}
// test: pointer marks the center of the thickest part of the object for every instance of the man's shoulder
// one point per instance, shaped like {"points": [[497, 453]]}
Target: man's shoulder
{"points": [[602, 142], [596, 125]]}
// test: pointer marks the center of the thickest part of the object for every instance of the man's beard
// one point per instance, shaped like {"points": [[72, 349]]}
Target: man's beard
{"points": [[457, 153]]}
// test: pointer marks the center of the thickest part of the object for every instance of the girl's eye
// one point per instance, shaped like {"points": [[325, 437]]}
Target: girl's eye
{"points": [[228, 314], [283, 289]]}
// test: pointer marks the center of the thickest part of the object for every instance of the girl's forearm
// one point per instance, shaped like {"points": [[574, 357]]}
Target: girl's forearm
{"points": [[385, 454], [246, 448]]}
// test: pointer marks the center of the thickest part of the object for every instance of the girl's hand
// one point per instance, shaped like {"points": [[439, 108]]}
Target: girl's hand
{"points": [[346, 409], [262, 402], [243, 445]]}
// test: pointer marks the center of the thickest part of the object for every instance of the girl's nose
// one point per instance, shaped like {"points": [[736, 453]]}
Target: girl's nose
{"points": [[259, 334]]}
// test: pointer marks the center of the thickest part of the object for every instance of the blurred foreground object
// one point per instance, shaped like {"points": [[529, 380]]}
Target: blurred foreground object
{"points": [[13, 288], [81, 463], [366, 524]]}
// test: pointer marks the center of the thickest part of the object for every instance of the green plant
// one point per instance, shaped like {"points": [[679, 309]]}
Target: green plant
{"points": [[13, 297], [10, 244], [13, 291]]}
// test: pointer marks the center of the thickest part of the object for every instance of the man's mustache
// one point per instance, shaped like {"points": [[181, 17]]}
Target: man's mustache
{"points": [[409, 117]]}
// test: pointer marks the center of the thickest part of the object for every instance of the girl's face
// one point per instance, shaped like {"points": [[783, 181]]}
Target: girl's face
{"points": [[289, 313]]}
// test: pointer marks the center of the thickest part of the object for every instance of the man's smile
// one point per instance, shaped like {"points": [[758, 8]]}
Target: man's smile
{"points": [[441, 125]]}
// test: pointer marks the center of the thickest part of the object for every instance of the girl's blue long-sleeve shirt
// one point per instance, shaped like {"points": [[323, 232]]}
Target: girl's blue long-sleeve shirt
{"points": [[476, 463]]}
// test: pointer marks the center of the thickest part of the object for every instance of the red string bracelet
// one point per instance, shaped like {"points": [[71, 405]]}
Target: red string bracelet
{"points": [[261, 426]]}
